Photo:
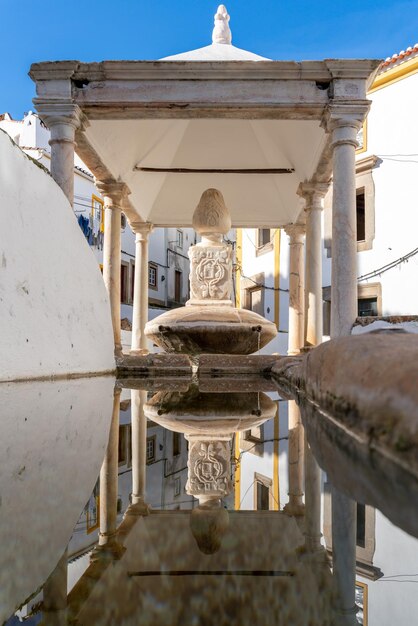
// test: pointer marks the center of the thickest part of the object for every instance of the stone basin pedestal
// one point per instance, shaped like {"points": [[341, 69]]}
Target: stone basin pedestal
{"points": [[209, 323]]}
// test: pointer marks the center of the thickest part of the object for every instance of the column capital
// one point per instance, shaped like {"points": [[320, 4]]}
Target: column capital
{"points": [[56, 113], [295, 232], [344, 122], [313, 194], [142, 230], [113, 192]]}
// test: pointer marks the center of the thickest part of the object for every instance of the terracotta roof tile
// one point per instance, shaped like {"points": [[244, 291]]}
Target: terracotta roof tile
{"points": [[400, 57]]}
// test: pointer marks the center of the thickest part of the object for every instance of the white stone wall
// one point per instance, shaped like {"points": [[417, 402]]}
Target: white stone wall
{"points": [[392, 136], [55, 315]]}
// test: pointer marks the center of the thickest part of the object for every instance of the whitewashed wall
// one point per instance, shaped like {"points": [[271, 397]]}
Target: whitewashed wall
{"points": [[54, 313], [54, 437], [392, 136]]}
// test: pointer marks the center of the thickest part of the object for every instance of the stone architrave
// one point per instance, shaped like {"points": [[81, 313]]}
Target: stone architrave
{"points": [[209, 466]]}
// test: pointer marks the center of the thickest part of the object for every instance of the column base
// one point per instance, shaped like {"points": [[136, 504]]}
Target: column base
{"points": [[139, 352], [111, 551], [294, 509], [138, 508]]}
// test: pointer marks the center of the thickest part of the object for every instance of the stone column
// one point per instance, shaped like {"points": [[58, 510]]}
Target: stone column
{"points": [[62, 120], [344, 556], [344, 231], [296, 233], [109, 486], [295, 506], [296, 287], [140, 308], [54, 594], [139, 443], [113, 194], [312, 502], [313, 195], [344, 125]]}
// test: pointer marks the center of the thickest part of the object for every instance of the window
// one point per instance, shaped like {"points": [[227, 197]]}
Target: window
{"points": [[97, 212], [256, 300], [367, 307], [124, 445], [124, 283], [262, 493], [365, 207], [365, 539], [92, 509], [361, 603], [264, 241], [132, 281], [152, 276], [177, 286], [179, 239], [369, 299], [264, 237], [255, 434], [177, 486], [361, 525], [361, 215], [252, 293], [176, 444], [150, 449]]}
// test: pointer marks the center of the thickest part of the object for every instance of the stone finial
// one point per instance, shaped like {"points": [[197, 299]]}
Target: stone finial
{"points": [[211, 217], [221, 32]]}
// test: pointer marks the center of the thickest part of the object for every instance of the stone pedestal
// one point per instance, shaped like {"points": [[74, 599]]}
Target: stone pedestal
{"points": [[209, 323]]}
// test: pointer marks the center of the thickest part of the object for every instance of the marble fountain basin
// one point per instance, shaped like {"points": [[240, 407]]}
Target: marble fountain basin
{"points": [[214, 329]]}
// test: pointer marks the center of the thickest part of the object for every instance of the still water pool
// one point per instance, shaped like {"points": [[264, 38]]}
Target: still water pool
{"points": [[211, 501]]}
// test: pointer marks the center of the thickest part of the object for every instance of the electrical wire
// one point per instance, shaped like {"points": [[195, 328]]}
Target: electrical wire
{"points": [[388, 266]]}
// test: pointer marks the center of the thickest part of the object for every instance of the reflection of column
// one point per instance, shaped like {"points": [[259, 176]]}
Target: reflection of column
{"points": [[313, 195], [344, 126], [344, 556], [296, 287], [140, 305], [109, 485], [55, 595], [312, 502], [113, 194], [295, 505], [139, 443]]}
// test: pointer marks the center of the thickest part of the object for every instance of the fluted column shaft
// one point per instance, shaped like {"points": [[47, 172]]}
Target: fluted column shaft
{"points": [[113, 194], [313, 194], [140, 307], [296, 288], [344, 231]]}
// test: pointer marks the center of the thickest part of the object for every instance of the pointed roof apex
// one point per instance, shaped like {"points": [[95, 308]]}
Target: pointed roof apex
{"points": [[221, 32]]}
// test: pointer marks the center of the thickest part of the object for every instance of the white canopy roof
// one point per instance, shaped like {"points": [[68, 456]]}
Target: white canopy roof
{"points": [[216, 117]]}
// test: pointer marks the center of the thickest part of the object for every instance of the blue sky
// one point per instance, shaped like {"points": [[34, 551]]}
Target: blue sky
{"points": [[93, 30]]}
